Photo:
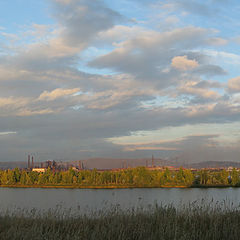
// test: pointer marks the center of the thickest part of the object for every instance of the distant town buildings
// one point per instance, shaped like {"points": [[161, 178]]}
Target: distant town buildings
{"points": [[40, 170], [80, 165]]}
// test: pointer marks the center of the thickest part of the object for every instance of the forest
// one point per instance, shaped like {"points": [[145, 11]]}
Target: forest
{"points": [[134, 177]]}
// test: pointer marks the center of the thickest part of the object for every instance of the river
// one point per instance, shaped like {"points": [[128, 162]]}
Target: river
{"points": [[93, 200]]}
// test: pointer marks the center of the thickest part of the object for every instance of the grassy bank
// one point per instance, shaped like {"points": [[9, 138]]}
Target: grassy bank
{"points": [[158, 223], [74, 186]]}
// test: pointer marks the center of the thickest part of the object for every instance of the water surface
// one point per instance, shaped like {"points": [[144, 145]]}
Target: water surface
{"points": [[85, 200]]}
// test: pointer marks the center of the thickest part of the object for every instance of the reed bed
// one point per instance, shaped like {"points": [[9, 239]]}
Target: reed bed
{"points": [[158, 222]]}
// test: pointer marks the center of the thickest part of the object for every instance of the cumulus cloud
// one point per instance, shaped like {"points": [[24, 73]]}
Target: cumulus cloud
{"points": [[210, 70], [82, 20], [57, 93], [147, 57], [216, 41], [13, 101], [205, 9], [183, 63], [194, 89], [234, 84], [138, 78]]}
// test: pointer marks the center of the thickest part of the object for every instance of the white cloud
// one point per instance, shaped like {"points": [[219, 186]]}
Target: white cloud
{"points": [[183, 63], [234, 84], [193, 89], [28, 112], [7, 133], [216, 41], [223, 57], [57, 93], [13, 102], [44, 96]]}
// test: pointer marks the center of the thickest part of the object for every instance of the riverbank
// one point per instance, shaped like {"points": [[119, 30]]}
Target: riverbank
{"points": [[109, 186], [87, 186], [192, 222]]}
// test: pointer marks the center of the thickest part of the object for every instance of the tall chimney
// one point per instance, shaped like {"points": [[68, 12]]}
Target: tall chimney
{"points": [[32, 163], [79, 165], [152, 161], [28, 161]]}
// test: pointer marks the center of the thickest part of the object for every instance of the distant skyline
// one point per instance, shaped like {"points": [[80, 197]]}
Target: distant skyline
{"points": [[120, 79]]}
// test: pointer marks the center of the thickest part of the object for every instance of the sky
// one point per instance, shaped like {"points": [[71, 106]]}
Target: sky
{"points": [[120, 79]]}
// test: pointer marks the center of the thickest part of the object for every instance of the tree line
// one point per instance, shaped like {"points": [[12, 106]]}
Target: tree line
{"points": [[135, 177]]}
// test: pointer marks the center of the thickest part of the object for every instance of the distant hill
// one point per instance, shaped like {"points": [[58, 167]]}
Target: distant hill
{"points": [[99, 163], [11, 165], [109, 163], [215, 164]]}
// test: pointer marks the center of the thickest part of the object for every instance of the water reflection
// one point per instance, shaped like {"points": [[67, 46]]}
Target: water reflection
{"points": [[91, 200]]}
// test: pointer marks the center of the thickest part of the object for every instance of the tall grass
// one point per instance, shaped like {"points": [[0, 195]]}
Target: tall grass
{"points": [[159, 222]]}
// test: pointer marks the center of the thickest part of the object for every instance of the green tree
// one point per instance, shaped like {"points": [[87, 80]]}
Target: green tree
{"points": [[17, 175], [204, 177], [141, 176], [167, 176], [4, 177], [224, 177], [23, 178], [234, 177], [179, 177], [188, 177]]}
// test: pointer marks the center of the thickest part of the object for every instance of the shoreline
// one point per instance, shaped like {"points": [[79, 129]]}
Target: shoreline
{"points": [[110, 186]]}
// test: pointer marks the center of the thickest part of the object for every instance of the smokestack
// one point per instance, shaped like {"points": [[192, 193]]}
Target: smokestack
{"points": [[79, 165], [32, 163], [28, 161], [146, 163], [152, 161]]}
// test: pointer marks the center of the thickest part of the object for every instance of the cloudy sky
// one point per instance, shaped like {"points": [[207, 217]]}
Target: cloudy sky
{"points": [[83, 79]]}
